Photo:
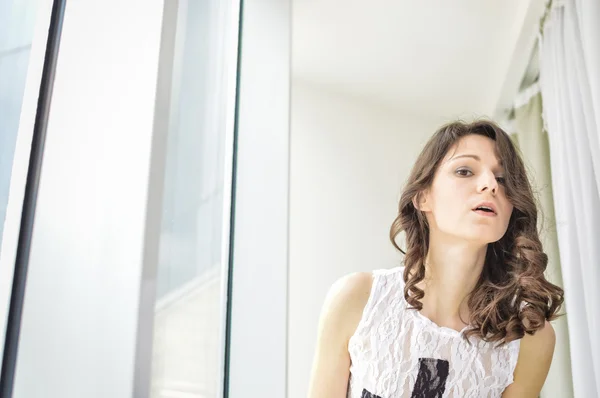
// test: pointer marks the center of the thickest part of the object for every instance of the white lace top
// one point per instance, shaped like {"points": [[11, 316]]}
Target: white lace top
{"points": [[397, 352]]}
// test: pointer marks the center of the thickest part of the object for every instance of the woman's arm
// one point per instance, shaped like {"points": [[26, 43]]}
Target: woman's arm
{"points": [[533, 364], [340, 316]]}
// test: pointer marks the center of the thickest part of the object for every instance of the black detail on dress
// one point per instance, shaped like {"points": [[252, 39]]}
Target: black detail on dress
{"points": [[431, 379], [366, 394]]}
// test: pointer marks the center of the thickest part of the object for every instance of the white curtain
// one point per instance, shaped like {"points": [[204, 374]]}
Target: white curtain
{"points": [[570, 85], [532, 140]]}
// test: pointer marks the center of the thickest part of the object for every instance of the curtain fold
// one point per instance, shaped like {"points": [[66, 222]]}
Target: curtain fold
{"points": [[570, 85], [533, 142]]}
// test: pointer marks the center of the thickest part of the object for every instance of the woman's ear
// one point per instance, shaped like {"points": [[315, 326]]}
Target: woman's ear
{"points": [[421, 201]]}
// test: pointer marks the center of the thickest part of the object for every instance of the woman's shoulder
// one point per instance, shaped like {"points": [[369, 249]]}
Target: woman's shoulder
{"points": [[349, 295], [351, 290], [533, 364], [344, 303]]}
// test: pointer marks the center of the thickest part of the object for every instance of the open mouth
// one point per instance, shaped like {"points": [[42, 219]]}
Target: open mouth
{"points": [[485, 210]]}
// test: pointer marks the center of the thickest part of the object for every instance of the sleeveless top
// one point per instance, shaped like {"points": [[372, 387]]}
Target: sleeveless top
{"points": [[396, 352]]}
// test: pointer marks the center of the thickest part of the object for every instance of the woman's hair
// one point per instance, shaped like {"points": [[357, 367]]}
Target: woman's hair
{"points": [[512, 296]]}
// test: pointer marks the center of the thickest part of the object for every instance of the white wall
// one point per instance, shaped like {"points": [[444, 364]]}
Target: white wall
{"points": [[349, 160]]}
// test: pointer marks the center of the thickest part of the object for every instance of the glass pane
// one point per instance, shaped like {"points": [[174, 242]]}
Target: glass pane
{"points": [[16, 34], [188, 316], [17, 18]]}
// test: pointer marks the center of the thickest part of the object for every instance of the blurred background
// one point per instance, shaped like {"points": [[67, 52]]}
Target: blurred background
{"points": [[181, 181]]}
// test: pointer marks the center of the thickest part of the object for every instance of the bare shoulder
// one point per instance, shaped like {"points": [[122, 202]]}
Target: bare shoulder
{"points": [[340, 315], [533, 364], [346, 300], [543, 339], [354, 287]]}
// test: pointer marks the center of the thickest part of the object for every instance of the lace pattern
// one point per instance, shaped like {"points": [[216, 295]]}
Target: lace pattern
{"points": [[396, 352]]}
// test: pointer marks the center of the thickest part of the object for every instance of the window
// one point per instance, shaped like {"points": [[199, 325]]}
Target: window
{"points": [[17, 18], [188, 325]]}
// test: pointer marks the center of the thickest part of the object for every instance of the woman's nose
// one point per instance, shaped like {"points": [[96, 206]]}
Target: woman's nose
{"points": [[488, 181]]}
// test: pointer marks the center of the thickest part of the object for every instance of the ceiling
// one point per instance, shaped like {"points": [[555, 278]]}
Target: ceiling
{"points": [[445, 58]]}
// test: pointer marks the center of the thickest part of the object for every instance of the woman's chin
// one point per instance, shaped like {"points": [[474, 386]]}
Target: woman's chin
{"points": [[483, 237]]}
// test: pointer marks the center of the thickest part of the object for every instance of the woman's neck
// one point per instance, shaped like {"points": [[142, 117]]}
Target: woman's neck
{"points": [[451, 273]]}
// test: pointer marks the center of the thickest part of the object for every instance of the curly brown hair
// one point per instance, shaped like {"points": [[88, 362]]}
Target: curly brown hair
{"points": [[513, 271]]}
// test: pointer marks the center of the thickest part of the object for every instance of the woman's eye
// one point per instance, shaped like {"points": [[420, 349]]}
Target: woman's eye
{"points": [[464, 172], [501, 180]]}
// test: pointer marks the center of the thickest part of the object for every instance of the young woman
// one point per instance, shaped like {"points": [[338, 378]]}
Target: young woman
{"points": [[467, 314]]}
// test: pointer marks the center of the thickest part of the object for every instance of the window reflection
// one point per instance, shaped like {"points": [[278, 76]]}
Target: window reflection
{"points": [[188, 316], [17, 19]]}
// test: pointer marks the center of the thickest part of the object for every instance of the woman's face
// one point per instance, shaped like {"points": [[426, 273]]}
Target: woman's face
{"points": [[467, 198]]}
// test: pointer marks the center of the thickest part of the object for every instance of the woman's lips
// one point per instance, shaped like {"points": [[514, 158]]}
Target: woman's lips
{"points": [[485, 213]]}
